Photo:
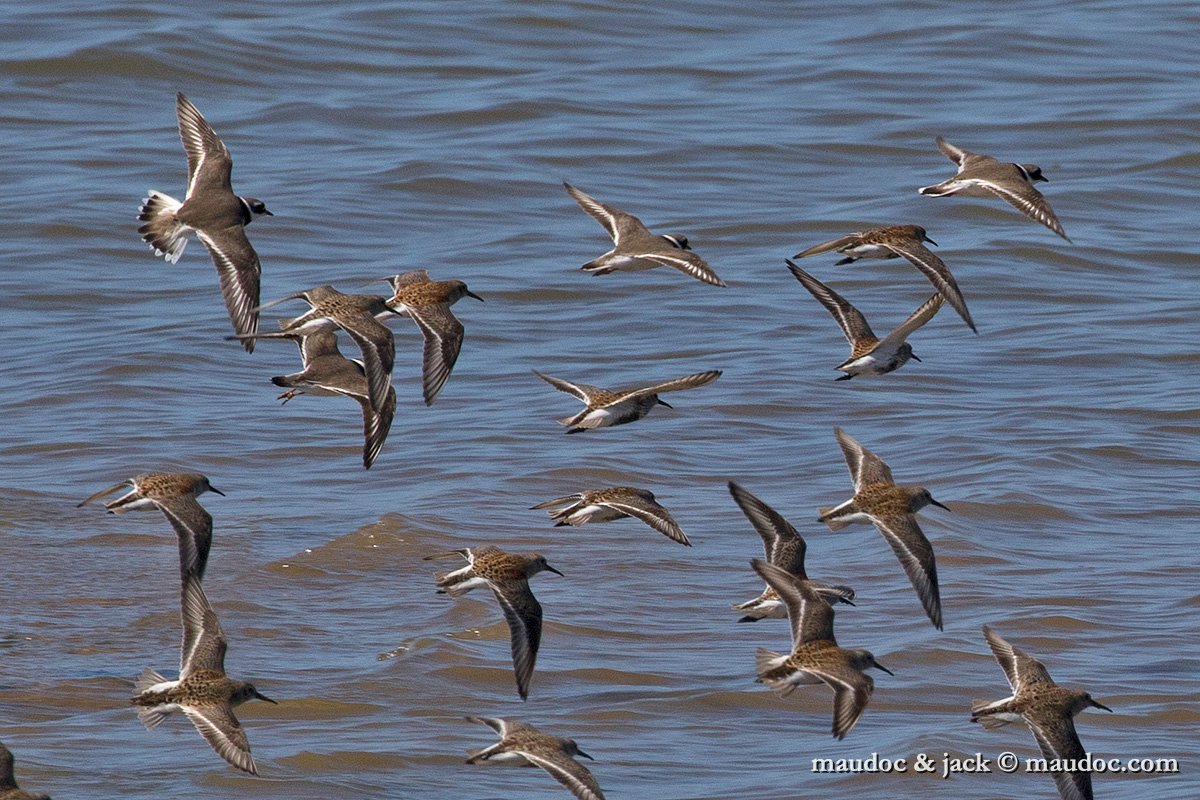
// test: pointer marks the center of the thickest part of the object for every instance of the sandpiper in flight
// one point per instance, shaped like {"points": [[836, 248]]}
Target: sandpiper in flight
{"points": [[892, 509], [507, 575], [606, 407], [1046, 708], [523, 745], [984, 176], [816, 656], [217, 216], [615, 502], [8, 783], [202, 691], [868, 354], [428, 304], [174, 494], [356, 315], [635, 248], [327, 372], [785, 548], [894, 241]]}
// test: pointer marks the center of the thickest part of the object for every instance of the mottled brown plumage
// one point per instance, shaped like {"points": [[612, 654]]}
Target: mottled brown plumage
{"points": [[891, 508], [507, 575], [203, 692], [1045, 707], [614, 502], [428, 303], [894, 241], [785, 548], [816, 656], [174, 494], [605, 408], [523, 745]]}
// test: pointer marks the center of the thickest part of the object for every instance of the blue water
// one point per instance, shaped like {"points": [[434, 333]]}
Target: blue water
{"points": [[388, 137]]}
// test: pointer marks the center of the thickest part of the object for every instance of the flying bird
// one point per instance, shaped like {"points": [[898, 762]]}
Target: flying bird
{"points": [[984, 176], [215, 214]]}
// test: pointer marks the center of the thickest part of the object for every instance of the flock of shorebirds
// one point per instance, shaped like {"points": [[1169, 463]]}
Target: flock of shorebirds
{"points": [[207, 696]]}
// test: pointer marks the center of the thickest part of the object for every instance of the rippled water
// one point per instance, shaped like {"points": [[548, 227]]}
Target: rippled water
{"points": [[388, 137]]}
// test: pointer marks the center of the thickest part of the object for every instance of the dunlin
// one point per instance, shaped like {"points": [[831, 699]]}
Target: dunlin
{"points": [[202, 692], [607, 407], [10, 791], [327, 372], [815, 656], [216, 215], [523, 745], [635, 248], [984, 176], [1048, 710], [428, 304], [895, 241], [174, 494], [615, 502], [507, 575], [355, 314], [784, 547], [891, 508], [868, 355]]}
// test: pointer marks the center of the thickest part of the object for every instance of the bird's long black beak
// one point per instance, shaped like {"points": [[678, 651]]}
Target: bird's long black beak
{"points": [[556, 572], [579, 752], [472, 294], [212, 488], [262, 696], [665, 403], [939, 505], [932, 242], [913, 356], [885, 669], [1101, 705]]}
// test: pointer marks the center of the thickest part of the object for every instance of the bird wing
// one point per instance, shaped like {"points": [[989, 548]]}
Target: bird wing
{"points": [[1056, 736], [916, 556], [678, 384], [221, 728], [810, 616], [915, 320], [650, 513], [590, 395], [853, 324], [376, 425], [935, 270], [834, 244], [782, 545], [193, 528], [209, 162], [567, 771], [443, 339], [685, 261], [1019, 667], [378, 351], [851, 691], [203, 641], [408, 279], [1025, 197], [239, 273], [524, 616], [955, 154], [614, 222], [865, 466]]}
